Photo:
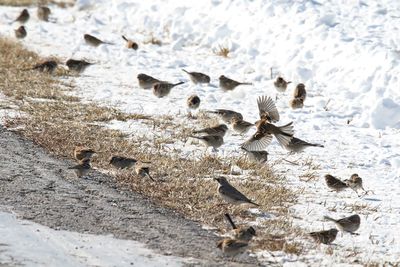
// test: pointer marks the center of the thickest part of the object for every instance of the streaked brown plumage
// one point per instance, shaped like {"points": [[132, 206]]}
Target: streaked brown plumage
{"points": [[77, 65], [227, 115], [300, 92], [298, 145], [162, 89], [146, 81], [198, 77], [335, 183], [228, 84], [43, 13], [82, 169], [355, 182], [296, 103], [130, 44], [20, 33], [267, 109], [281, 84], [257, 156], [122, 162], [82, 153], [215, 141], [23, 17], [348, 224], [93, 41], [241, 233], [230, 194], [324, 237], [232, 247], [46, 66], [241, 126], [219, 130], [193, 102]]}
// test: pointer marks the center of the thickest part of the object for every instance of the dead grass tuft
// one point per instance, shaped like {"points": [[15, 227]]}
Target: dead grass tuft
{"points": [[222, 51]]}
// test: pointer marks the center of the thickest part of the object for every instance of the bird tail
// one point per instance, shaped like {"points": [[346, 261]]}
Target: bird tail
{"points": [[246, 83], [178, 83], [196, 137], [285, 134], [329, 219], [255, 204], [123, 37], [185, 71], [317, 145], [229, 219], [148, 175]]}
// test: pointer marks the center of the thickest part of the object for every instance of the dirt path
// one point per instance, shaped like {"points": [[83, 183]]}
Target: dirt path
{"points": [[40, 188]]}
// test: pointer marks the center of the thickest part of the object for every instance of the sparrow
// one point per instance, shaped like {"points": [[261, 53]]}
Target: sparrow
{"points": [[256, 156], [162, 89], [241, 126], [122, 162], [82, 153], [143, 171], [77, 65], [298, 145], [230, 194], [300, 92], [227, 115], [198, 77], [23, 16], [349, 224], [267, 109], [232, 247], [130, 44], [219, 130], [46, 66], [355, 182], [335, 183], [281, 84], [296, 103], [93, 41], [193, 102], [146, 81], [228, 84], [215, 141], [20, 33], [82, 169], [43, 13], [324, 237], [241, 233]]}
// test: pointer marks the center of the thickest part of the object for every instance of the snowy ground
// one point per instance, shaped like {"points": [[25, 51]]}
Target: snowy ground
{"points": [[345, 52]]}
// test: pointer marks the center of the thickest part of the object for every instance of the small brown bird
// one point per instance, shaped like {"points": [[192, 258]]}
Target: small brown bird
{"points": [[47, 66], [43, 13], [228, 84], [241, 126], [241, 233], [300, 92], [335, 183], [77, 65], [130, 44], [348, 224], [227, 115], [82, 169], [143, 171], [162, 89], [298, 145], [198, 77], [122, 162], [232, 247], [296, 103], [83, 153], [355, 182], [230, 194], [219, 130], [215, 141], [193, 102], [93, 41], [281, 84], [325, 237], [20, 33], [257, 156], [267, 109], [23, 16], [146, 81]]}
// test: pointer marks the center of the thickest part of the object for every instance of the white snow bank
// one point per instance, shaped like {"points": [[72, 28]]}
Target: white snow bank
{"points": [[386, 113]]}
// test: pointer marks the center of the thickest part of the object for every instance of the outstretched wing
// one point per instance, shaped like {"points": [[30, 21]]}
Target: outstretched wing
{"points": [[267, 108]]}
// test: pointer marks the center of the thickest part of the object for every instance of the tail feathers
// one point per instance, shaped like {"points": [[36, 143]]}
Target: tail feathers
{"points": [[317, 145], [197, 137], [185, 71], [255, 204], [229, 219], [283, 139], [123, 37], [148, 175], [287, 129], [329, 219], [179, 83], [245, 84], [289, 82]]}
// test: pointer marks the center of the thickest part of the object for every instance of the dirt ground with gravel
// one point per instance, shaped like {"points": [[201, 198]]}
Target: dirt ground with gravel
{"points": [[39, 187]]}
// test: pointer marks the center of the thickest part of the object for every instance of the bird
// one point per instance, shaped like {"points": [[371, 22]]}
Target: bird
{"points": [[20, 33], [43, 13], [241, 126], [130, 44], [348, 224], [325, 237], [280, 84], [23, 16], [300, 92], [47, 66], [143, 171], [83, 153], [93, 41], [82, 169], [227, 115], [198, 77], [162, 89], [122, 162], [256, 156], [267, 109], [146, 81], [355, 182], [298, 145], [296, 103], [335, 183], [230, 194], [241, 233], [232, 247], [77, 65], [193, 102], [228, 84], [215, 141], [219, 130]]}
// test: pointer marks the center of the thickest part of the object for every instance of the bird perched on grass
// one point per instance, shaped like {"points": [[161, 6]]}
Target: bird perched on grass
{"points": [[143, 171], [82, 169], [232, 247], [355, 182], [77, 65], [193, 102], [241, 233], [214, 141], [198, 77], [230, 194], [23, 17], [219, 130], [122, 162], [130, 44], [47, 66], [348, 224], [93, 41], [146, 81], [335, 183], [256, 156], [227, 115], [162, 89], [43, 13], [298, 145], [280, 84], [228, 84], [325, 237], [240, 126], [82, 153], [20, 33]]}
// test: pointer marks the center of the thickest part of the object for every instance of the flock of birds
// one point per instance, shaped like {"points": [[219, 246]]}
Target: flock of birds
{"points": [[213, 137]]}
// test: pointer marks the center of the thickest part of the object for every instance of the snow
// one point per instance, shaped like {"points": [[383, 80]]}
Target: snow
{"points": [[345, 52]]}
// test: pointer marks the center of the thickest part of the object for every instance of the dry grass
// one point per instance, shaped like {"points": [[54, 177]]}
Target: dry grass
{"points": [[222, 51]]}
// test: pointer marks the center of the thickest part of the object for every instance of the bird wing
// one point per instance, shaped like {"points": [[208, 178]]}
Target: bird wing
{"points": [[233, 193], [267, 108], [257, 142]]}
